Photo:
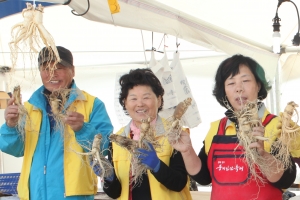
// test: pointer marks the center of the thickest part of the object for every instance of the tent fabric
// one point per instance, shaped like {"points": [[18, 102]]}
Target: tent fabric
{"points": [[230, 26], [97, 44], [290, 69], [153, 16], [225, 26]]}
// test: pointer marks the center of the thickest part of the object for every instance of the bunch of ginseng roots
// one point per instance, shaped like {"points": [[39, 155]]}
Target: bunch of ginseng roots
{"points": [[174, 123], [23, 116], [146, 136], [29, 35], [288, 134], [96, 157], [258, 165]]}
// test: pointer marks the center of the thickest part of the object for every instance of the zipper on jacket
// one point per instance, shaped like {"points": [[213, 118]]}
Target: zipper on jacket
{"points": [[44, 169]]}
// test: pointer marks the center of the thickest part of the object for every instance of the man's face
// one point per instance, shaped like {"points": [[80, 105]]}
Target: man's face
{"points": [[61, 78]]}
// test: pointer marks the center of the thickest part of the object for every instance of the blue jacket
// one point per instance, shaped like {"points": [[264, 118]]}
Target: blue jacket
{"points": [[47, 175]]}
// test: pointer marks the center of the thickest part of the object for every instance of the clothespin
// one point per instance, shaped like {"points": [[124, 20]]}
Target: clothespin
{"points": [[177, 44], [33, 4], [113, 6]]}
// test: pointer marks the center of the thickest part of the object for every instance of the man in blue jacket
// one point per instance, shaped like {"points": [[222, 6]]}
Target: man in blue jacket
{"points": [[53, 167]]}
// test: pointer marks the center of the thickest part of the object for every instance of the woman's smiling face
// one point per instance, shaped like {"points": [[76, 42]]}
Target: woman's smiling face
{"points": [[142, 103], [241, 88]]}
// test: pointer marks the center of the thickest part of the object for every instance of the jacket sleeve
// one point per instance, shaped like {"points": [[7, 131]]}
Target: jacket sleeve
{"points": [[203, 177], [99, 123], [112, 188], [174, 176], [11, 142]]}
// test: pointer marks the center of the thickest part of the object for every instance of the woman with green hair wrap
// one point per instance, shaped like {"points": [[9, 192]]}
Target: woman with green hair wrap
{"points": [[222, 161]]}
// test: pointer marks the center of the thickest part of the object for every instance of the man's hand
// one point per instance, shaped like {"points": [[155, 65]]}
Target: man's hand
{"points": [[11, 114], [75, 120]]}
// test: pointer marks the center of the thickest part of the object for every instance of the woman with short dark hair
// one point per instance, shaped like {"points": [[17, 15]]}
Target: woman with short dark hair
{"points": [[141, 97], [222, 160]]}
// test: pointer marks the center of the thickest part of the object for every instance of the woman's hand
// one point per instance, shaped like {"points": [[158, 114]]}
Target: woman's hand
{"points": [[184, 143], [149, 157], [273, 175], [191, 161], [259, 144]]}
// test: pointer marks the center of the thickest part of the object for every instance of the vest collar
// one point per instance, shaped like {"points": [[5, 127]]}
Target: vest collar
{"points": [[159, 128], [261, 112], [38, 97]]}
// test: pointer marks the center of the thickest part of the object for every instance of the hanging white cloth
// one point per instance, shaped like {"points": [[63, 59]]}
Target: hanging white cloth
{"points": [[163, 72], [176, 88]]}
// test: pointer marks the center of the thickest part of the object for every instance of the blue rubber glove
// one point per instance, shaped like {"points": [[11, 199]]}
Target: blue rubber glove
{"points": [[149, 158], [97, 170], [96, 167], [111, 177]]}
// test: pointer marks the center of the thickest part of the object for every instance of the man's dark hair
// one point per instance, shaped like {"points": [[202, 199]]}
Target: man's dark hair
{"points": [[47, 55]]}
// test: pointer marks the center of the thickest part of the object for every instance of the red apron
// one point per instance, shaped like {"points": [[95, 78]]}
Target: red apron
{"points": [[230, 174]]}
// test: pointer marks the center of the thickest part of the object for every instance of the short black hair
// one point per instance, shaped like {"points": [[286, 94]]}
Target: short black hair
{"points": [[137, 77], [231, 67]]}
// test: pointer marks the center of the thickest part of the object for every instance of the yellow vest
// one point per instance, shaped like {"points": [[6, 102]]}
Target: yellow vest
{"points": [[270, 130], [121, 159], [79, 177]]}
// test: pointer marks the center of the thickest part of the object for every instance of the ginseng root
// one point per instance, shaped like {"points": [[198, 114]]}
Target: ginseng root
{"points": [[248, 119], [17, 95], [174, 124], [125, 142], [287, 135], [137, 169], [97, 157], [27, 36], [146, 134], [57, 100], [21, 111]]}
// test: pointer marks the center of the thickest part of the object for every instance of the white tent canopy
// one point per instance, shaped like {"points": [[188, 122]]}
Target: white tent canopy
{"points": [[212, 24], [228, 27]]}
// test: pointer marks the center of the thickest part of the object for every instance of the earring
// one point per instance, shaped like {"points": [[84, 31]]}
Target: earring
{"points": [[226, 99]]}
